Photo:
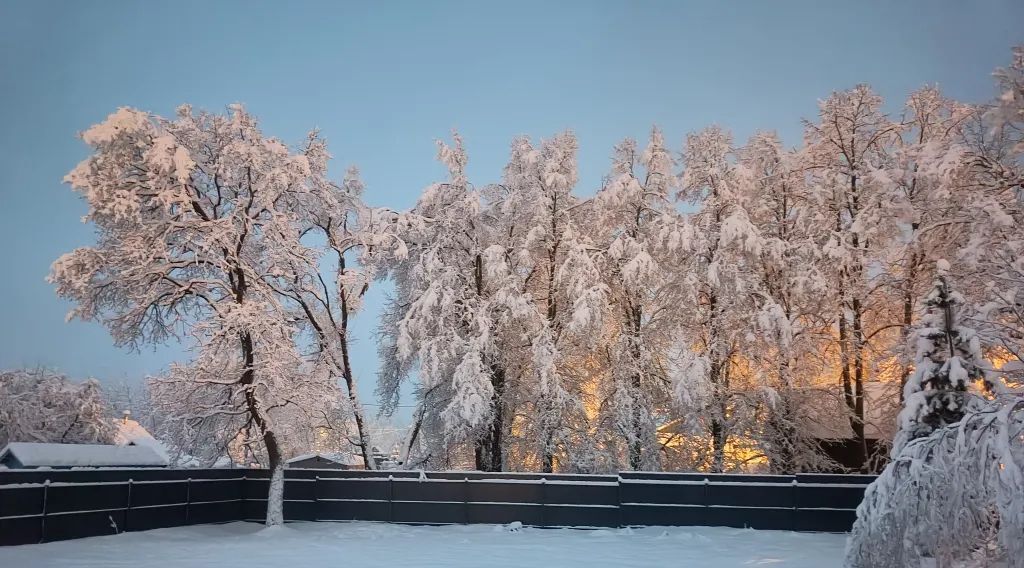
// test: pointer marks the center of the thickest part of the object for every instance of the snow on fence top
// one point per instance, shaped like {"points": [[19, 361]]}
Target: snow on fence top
{"points": [[30, 454]]}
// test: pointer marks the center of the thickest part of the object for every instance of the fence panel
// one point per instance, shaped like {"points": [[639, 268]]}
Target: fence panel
{"points": [[83, 503], [38, 506]]}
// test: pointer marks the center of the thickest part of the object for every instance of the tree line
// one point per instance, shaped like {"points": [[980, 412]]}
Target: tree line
{"points": [[717, 306]]}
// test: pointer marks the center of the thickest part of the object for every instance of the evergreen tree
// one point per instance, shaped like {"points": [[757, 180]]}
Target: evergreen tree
{"points": [[948, 360]]}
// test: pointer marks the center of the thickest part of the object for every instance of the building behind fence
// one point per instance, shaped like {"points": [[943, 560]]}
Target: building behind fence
{"points": [[41, 506]]}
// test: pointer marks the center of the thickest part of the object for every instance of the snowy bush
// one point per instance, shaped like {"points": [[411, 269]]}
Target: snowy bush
{"points": [[954, 495], [955, 485]]}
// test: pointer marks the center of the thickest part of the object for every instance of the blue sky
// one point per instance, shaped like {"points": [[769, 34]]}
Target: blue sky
{"points": [[384, 80]]}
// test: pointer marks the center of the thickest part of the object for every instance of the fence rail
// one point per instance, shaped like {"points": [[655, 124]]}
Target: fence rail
{"points": [[41, 506]]}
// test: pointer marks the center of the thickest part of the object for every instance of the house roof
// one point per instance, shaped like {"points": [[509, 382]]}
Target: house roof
{"points": [[31, 454], [341, 458], [881, 404], [830, 417], [131, 433]]}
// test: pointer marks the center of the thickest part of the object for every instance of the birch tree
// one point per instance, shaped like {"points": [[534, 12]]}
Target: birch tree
{"points": [[640, 232], [850, 140], [719, 277], [446, 312], [560, 281], [789, 316], [923, 180]]}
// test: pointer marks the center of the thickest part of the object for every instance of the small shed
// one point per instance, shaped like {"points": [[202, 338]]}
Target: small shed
{"points": [[325, 461], [31, 455]]}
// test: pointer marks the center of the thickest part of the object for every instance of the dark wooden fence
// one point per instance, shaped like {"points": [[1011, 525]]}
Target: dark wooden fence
{"points": [[40, 506]]}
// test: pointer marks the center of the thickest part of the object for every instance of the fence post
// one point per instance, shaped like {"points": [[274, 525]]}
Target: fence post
{"points": [[42, 519], [796, 508], [128, 508], [543, 500], [242, 504], [316, 498], [188, 497], [391, 498], [707, 505], [465, 498], [618, 496]]}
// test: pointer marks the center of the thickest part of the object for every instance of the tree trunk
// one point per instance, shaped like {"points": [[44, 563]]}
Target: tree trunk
{"points": [[720, 424], [858, 382], [783, 460], [548, 460], [718, 435], [718, 440], [716, 376], [403, 458], [498, 381], [781, 417], [850, 397], [275, 497], [548, 437], [908, 311], [488, 451], [548, 465], [365, 448], [636, 448]]}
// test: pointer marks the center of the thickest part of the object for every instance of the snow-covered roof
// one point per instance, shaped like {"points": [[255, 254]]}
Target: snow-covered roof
{"points": [[131, 433], [341, 458], [881, 403], [830, 420], [31, 454]]}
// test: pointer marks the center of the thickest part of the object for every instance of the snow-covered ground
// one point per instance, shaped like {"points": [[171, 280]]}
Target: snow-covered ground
{"points": [[366, 545]]}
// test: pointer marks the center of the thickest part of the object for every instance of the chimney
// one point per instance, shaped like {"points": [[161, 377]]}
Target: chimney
{"points": [[127, 414]]}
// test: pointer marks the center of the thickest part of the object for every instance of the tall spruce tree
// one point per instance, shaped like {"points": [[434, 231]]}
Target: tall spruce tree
{"points": [[948, 360]]}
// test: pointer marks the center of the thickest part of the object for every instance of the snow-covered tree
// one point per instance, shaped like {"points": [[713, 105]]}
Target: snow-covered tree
{"points": [[995, 203], [948, 362], [851, 139], [638, 236], [955, 486], [559, 280], [42, 406], [1008, 111], [131, 397], [922, 182], [449, 302], [786, 352], [954, 497], [200, 220], [954, 491], [358, 238], [719, 279]]}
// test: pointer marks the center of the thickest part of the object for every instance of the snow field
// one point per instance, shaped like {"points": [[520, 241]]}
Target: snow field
{"points": [[367, 545]]}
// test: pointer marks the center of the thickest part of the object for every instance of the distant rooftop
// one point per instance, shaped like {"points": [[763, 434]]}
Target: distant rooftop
{"points": [[131, 433], [32, 455], [336, 457]]}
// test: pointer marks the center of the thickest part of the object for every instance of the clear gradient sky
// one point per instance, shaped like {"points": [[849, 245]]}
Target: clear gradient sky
{"points": [[383, 80]]}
